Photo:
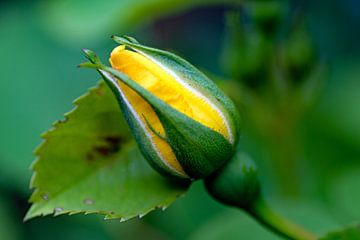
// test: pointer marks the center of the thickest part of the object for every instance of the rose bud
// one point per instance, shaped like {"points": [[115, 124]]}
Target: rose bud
{"points": [[184, 125]]}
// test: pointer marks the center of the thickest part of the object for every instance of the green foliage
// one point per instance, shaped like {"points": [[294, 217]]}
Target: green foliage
{"points": [[20, 123], [182, 214], [345, 194], [75, 227], [8, 226], [83, 20], [88, 163], [350, 233], [275, 77], [338, 112], [232, 224], [40, 47]]}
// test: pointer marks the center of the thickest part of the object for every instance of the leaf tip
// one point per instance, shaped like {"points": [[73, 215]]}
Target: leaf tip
{"points": [[91, 56]]}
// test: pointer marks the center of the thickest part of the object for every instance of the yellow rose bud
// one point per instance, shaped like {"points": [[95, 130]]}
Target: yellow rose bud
{"points": [[184, 125]]}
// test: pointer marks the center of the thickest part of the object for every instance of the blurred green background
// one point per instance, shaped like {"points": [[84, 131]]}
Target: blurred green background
{"points": [[293, 68]]}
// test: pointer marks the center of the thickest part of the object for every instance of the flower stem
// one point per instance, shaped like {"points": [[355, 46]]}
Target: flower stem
{"points": [[278, 224]]}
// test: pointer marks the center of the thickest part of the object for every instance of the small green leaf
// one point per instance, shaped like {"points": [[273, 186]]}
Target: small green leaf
{"points": [[89, 163], [349, 233]]}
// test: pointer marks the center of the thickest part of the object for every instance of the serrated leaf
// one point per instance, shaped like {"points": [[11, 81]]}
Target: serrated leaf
{"points": [[88, 163], [349, 233]]}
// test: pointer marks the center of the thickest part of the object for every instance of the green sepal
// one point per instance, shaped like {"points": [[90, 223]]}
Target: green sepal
{"points": [[199, 149], [138, 131], [190, 75]]}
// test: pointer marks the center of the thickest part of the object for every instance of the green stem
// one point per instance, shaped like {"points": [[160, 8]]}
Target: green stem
{"points": [[278, 224]]}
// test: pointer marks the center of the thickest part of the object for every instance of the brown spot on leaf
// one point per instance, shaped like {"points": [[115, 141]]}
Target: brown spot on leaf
{"points": [[104, 150], [114, 140], [90, 156], [99, 92], [112, 144]]}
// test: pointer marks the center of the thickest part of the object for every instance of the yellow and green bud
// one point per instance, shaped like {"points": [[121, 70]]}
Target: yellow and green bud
{"points": [[184, 125]]}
